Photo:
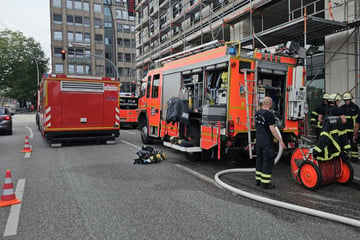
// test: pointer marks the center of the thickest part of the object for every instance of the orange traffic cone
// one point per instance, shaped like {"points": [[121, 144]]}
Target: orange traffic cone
{"points": [[26, 145], [8, 196]]}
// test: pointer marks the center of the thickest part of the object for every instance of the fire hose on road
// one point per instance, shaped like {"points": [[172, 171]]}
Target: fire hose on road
{"points": [[309, 211]]}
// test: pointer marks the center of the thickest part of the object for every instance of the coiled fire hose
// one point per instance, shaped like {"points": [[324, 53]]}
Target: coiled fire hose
{"points": [[309, 211]]}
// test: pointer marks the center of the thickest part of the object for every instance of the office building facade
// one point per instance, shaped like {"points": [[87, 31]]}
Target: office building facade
{"points": [[97, 35]]}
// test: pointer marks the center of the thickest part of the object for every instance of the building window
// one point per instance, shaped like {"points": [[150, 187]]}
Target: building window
{"points": [[56, 3], [108, 55], [98, 38], [126, 28], [126, 42], [58, 36], [78, 37], [59, 68], [77, 4], [109, 70], [87, 37], [97, 23], [86, 22], [120, 57], [71, 68], [70, 36], [80, 69], [99, 53], [71, 52], [99, 70], [120, 71], [87, 53], [79, 53], [107, 11], [125, 14], [127, 57], [88, 69], [119, 42], [57, 18], [78, 21], [86, 6], [70, 20], [132, 29], [119, 27], [127, 72], [97, 8], [107, 24], [57, 52], [108, 41], [118, 14], [69, 4]]}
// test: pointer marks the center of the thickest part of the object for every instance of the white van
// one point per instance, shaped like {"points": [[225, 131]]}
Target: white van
{"points": [[12, 108]]}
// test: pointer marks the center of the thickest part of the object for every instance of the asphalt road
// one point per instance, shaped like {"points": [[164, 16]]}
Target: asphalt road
{"points": [[94, 191]]}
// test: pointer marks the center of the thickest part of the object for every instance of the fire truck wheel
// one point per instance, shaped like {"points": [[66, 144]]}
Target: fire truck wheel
{"points": [[310, 175], [145, 138], [347, 172]]}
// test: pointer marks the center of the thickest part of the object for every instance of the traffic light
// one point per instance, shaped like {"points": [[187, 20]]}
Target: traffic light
{"points": [[63, 52]]}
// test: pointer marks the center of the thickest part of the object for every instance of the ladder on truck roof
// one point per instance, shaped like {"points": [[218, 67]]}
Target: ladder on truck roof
{"points": [[188, 52], [251, 107]]}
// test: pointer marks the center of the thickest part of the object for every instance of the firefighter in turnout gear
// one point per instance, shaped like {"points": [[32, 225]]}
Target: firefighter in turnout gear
{"points": [[315, 114], [333, 141], [265, 134], [350, 111]]}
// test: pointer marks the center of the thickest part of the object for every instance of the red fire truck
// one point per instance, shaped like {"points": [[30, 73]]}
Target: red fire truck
{"points": [[128, 104], [78, 107], [204, 103]]}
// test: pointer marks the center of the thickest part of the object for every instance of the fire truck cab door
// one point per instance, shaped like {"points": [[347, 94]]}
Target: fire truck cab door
{"points": [[154, 104]]}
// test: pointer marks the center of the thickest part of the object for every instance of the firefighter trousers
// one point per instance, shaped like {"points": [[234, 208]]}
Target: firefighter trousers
{"points": [[264, 162]]}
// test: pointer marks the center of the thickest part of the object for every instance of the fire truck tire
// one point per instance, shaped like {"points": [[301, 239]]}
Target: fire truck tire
{"points": [[145, 138], [310, 175], [347, 172]]}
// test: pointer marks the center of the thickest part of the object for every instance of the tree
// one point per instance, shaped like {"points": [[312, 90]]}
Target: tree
{"points": [[18, 71]]}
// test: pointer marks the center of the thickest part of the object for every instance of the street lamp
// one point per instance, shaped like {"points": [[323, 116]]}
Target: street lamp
{"points": [[37, 68]]}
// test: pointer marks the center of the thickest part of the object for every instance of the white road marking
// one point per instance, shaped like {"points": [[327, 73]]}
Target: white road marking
{"points": [[27, 155], [31, 133], [129, 132], [13, 220], [130, 144]]}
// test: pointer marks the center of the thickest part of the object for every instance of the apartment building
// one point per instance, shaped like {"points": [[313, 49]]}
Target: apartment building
{"points": [[98, 36], [166, 27]]}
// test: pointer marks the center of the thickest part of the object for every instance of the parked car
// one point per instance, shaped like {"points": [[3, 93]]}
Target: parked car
{"points": [[5, 121]]}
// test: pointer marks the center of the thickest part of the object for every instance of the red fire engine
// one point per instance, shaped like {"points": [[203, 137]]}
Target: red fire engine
{"points": [[128, 104], [78, 107], [215, 94]]}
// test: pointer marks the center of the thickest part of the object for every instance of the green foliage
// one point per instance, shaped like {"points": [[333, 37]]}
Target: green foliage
{"points": [[18, 70]]}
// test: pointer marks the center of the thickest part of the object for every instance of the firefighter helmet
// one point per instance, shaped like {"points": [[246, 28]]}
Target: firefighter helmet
{"points": [[338, 97], [332, 97], [326, 96], [347, 95]]}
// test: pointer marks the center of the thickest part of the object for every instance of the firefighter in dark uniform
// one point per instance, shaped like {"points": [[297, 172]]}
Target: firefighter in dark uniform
{"points": [[315, 114], [333, 141], [265, 133], [350, 111]]}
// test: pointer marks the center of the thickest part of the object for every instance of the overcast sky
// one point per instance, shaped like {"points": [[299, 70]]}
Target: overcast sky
{"points": [[32, 18]]}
